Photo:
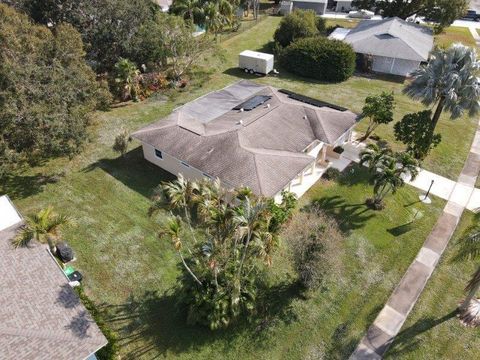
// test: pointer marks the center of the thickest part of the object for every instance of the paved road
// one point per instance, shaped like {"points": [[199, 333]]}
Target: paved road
{"points": [[459, 23]]}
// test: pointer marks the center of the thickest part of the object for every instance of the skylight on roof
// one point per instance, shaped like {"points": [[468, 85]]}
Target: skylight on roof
{"points": [[253, 102]]}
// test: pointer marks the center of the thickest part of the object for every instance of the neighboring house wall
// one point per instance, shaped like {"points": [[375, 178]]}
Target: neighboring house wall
{"points": [[394, 66], [171, 164], [344, 6], [319, 7]]}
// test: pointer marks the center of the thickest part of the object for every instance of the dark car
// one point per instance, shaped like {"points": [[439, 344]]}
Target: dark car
{"points": [[471, 15]]}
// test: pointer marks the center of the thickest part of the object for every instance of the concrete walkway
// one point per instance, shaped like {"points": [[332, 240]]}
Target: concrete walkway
{"points": [[391, 318], [442, 187]]}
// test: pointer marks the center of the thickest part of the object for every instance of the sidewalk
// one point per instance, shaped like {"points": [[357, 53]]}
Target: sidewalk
{"points": [[391, 318]]}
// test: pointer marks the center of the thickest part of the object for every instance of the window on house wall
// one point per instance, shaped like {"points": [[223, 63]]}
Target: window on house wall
{"points": [[158, 154]]}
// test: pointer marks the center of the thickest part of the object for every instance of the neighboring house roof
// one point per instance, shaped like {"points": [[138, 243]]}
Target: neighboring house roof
{"points": [[391, 37], [262, 148], [40, 315]]}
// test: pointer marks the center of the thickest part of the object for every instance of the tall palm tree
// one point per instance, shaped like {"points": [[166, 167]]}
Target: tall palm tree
{"points": [[470, 307], [172, 229], [177, 195], [449, 80], [126, 74], [43, 227]]}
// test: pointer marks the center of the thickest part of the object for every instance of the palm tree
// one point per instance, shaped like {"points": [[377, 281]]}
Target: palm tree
{"points": [[373, 156], [43, 227], [449, 80], [172, 229], [126, 74], [178, 195], [191, 10], [470, 307], [391, 172], [407, 165]]}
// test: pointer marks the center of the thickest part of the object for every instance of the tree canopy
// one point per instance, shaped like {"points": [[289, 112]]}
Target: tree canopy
{"points": [[443, 12], [379, 110], [106, 26], [417, 132], [47, 91], [449, 81], [298, 24]]}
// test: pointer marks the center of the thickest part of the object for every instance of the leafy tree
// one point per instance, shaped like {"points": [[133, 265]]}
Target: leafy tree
{"points": [[126, 75], [388, 171], [296, 25], [470, 250], [316, 245], [106, 26], [121, 142], [43, 227], [47, 91], [416, 131], [182, 49], [443, 12], [223, 253], [379, 110], [191, 10], [319, 58], [449, 81]]}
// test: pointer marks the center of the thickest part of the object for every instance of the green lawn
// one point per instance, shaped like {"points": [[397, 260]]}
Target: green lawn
{"points": [[432, 331], [133, 274], [455, 34]]}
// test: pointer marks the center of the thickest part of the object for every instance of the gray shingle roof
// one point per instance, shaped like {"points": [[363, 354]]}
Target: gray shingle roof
{"points": [[391, 37], [261, 149], [40, 315]]}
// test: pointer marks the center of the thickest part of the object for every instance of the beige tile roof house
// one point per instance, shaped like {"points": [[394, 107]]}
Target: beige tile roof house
{"points": [[40, 315], [246, 135]]}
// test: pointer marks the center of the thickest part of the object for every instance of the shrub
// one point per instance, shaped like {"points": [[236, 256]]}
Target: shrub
{"points": [[299, 24], [338, 149], [319, 58], [109, 351], [121, 142], [316, 247], [332, 174], [281, 213]]}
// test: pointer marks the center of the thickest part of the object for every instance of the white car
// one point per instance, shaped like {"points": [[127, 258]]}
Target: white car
{"points": [[361, 14]]}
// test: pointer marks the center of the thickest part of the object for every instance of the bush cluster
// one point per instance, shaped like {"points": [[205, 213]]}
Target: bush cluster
{"points": [[299, 24], [319, 58], [316, 245], [109, 351]]}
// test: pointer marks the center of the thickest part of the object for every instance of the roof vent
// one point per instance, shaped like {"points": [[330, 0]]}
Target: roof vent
{"points": [[240, 122], [305, 117]]}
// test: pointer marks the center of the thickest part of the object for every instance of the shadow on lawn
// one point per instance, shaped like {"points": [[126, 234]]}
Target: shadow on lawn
{"points": [[133, 171], [407, 340], [19, 186], [153, 324], [348, 216]]}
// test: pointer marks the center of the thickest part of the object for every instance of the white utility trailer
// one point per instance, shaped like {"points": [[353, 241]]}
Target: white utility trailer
{"points": [[255, 62]]}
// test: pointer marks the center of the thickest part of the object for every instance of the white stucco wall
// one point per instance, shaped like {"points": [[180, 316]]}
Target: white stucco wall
{"points": [[171, 164], [394, 66]]}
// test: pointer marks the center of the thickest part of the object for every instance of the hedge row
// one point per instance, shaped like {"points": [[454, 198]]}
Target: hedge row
{"points": [[319, 58]]}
